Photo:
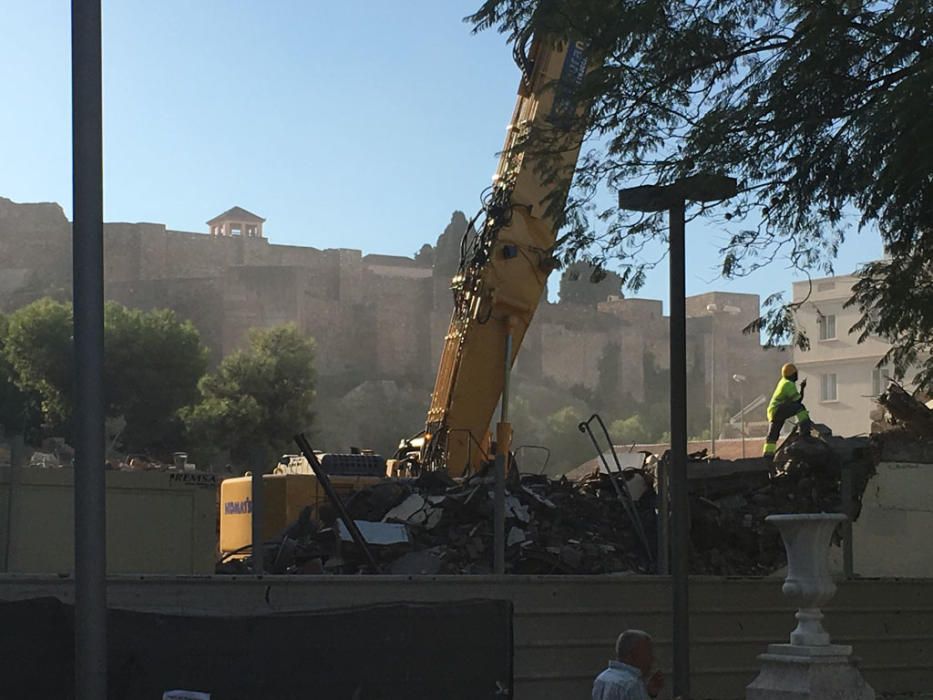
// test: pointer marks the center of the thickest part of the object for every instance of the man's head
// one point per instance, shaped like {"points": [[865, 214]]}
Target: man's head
{"points": [[635, 648], [789, 371]]}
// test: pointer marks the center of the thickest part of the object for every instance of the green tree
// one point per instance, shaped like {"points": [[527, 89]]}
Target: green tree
{"points": [[19, 410], [38, 348], [152, 363], [819, 109], [564, 421], [632, 429], [258, 398]]}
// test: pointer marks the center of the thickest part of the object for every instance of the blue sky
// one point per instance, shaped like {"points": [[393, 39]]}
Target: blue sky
{"points": [[359, 124]]}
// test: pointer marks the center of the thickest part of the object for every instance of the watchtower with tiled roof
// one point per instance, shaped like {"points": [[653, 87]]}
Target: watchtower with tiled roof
{"points": [[237, 222]]}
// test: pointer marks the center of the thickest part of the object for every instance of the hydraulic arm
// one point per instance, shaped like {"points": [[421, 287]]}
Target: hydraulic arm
{"points": [[504, 267]]}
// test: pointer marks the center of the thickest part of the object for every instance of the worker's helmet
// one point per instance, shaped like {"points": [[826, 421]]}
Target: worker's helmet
{"points": [[789, 370]]}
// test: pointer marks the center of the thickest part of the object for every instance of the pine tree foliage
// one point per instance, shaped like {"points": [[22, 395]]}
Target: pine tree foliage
{"points": [[821, 110], [258, 397]]}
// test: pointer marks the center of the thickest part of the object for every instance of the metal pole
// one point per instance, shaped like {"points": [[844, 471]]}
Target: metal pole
{"points": [[256, 518], [503, 445], [88, 261], [615, 478], [17, 456], [680, 539], [664, 533], [506, 380], [742, 401], [712, 385], [335, 501]]}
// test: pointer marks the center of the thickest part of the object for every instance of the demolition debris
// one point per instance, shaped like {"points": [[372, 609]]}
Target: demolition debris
{"points": [[433, 525], [901, 413]]}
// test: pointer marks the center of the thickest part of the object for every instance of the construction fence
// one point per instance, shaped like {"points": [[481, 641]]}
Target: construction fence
{"points": [[564, 627]]}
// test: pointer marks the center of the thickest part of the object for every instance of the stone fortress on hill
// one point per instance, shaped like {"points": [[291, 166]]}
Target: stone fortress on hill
{"points": [[378, 320]]}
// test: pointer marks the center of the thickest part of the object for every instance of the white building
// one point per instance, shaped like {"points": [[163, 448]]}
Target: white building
{"points": [[843, 374]]}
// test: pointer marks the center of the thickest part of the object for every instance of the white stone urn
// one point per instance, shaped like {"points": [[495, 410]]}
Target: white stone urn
{"points": [[808, 583]]}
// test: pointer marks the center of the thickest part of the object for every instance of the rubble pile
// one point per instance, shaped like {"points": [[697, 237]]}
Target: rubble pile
{"points": [[552, 526], [55, 453], [434, 525], [729, 535], [901, 413]]}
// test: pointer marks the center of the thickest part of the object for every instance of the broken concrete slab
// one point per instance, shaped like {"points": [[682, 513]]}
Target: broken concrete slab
{"points": [[406, 510], [516, 536], [377, 533], [515, 509], [417, 510]]}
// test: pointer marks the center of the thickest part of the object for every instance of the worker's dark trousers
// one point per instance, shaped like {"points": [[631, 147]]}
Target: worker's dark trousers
{"points": [[781, 414]]}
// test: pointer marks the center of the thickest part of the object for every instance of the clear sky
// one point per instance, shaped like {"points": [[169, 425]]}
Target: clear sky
{"points": [[357, 124]]}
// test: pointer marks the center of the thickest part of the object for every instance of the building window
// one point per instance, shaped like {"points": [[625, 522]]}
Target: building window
{"points": [[828, 327], [828, 387], [879, 380]]}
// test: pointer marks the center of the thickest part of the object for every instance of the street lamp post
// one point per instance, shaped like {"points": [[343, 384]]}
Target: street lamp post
{"points": [[713, 309], [90, 528], [672, 198], [740, 380]]}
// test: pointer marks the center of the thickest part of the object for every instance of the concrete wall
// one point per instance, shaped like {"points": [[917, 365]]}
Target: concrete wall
{"points": [[567, 343], [572, 355], [35, 252], [156, 522], [400, 309], [254, 298], [719, 336], [565, 627], [193, 299], [891, 536]]}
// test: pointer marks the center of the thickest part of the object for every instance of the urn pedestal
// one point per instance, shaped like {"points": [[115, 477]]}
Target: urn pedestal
{"points": [[810, 666]]}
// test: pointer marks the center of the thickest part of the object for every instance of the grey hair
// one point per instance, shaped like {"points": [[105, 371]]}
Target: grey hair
{"points": [[628, 640]]}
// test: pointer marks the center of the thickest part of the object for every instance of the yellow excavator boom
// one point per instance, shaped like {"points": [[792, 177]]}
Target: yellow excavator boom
{"points": [[505, 266]]}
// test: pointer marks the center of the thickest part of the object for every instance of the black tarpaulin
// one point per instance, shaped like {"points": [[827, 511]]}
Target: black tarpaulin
{"points": [[459, 649]]}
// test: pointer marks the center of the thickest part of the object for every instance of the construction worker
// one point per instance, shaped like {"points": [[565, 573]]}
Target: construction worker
{"points": [[786, 402]]}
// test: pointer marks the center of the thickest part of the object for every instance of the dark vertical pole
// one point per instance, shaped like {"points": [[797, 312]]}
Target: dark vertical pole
{"points": [[502, 456], [742, 401], [848, 505], [712, 384], [88, 260], [664, 532], [335, 501], [678, 463], [256, 516], [17, 456]]}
